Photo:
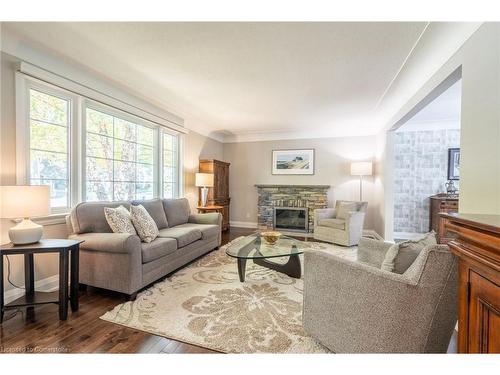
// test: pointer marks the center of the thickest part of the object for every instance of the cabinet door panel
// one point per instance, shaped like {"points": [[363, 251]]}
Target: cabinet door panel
{"points": [[484, 315]]}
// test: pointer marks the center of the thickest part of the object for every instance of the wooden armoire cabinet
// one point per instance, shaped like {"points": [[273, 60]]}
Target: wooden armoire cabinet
{"points": [[478, 249], [219, 194]]}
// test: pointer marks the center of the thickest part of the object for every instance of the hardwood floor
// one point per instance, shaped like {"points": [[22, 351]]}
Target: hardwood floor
{"points": [[84, 332]]}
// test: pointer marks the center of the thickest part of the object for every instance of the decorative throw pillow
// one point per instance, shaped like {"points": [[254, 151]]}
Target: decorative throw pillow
{"points": [[401, 256], [119, 220], [143, 223], [344, 209]]}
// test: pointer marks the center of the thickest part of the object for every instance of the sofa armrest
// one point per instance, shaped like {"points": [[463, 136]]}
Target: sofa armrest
{"points": [[209, 218], [324, 213], [372, 251], [123, 243]]}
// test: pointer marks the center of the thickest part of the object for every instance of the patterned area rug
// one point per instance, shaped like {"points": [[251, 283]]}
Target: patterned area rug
{"points": [[205, 304]]}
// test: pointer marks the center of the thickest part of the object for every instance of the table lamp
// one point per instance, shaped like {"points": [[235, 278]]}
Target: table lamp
{"points": [[361, 168], [204, 180], [24, 201]]}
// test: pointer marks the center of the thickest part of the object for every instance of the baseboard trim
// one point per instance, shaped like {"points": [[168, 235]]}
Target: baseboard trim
{"points": [[243, 224], [49, 284]]}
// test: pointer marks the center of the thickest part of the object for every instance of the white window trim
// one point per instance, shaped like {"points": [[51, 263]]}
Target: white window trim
{"points": [[77, 143]]}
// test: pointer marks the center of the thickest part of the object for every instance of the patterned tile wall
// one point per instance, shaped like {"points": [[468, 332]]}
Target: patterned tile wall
{"points": [[420, 170]]}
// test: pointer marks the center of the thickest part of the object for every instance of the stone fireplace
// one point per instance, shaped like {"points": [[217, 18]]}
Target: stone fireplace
{"points": [[296, 205]]}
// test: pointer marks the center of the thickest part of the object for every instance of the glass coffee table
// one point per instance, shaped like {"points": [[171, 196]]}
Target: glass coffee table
{"points": [[256, 248]]}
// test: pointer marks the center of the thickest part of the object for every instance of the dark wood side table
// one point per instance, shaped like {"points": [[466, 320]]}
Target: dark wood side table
{"points": [[214, 208], [33, 298]]}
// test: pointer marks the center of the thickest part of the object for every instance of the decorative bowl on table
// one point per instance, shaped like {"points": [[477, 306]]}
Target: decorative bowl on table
{"points": [[271, 237]]}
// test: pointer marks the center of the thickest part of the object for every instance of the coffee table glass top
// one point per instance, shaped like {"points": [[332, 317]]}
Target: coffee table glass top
{"points": [[255, 247]]}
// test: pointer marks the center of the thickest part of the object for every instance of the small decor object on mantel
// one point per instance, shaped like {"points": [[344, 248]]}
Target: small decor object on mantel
{"points": [[453, 164], [451, 189], [295, 162]]}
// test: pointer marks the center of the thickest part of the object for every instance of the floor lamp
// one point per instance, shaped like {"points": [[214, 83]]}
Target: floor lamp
{"points": [[361, 168]]}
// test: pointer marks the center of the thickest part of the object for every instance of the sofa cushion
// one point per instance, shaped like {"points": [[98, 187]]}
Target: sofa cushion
{"points": [[184, 236], [157, 249], [208, 231], [88, 217], [155, 210], [177, 211], [144, 224], [333, 223]]}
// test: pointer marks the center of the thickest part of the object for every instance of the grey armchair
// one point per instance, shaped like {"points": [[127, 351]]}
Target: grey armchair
{"points": [[343, 231], [355, 307]]}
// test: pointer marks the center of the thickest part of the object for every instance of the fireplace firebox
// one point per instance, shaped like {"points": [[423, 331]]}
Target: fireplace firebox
{"points": [[294, 219]]}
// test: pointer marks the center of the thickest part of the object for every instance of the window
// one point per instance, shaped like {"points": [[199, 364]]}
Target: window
{"points": [[120, 158], [88, 151], [49, 129], [170, 164]]}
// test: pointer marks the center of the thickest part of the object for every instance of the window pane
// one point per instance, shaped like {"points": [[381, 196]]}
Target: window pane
{"points": [[51, 165], [58, 191], [124, 150], [145, 135], [48, 108], [168, 190], [99, 169], [168, 158], [99, 191], [124, 171], [124, 191], [124, 130], [98, 122], [168, 174], [168, 142], [144, 191], [145, 154], [48, 137], [144, 173], [99, 146]]}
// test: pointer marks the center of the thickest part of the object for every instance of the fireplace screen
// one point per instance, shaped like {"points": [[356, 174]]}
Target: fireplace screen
{"points": [[291, 218]]}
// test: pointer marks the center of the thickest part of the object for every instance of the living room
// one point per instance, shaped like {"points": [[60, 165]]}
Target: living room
{"points": [[250, 187]]}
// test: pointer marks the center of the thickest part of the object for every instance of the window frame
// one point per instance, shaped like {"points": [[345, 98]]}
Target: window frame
{"points": [[77, 139]]}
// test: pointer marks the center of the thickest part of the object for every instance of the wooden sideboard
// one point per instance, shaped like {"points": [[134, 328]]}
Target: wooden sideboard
{"points": [[441, 203], [218, 195], [477, 246]]}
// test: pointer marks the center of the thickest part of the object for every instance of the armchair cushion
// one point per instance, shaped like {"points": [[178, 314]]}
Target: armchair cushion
{"points": [[401, 256], [333, 223], [344, 208]]}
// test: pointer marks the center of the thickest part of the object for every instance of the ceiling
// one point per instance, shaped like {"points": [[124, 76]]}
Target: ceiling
{"points": [[442, 113], [236, 79]]}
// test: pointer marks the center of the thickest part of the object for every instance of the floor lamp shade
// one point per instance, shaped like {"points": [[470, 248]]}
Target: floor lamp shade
{"points": [[361, 168], [24, 202]]}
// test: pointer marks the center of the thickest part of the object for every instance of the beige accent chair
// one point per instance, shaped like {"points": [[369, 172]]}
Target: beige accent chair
{"points": [[355, 307], [345, 229]]}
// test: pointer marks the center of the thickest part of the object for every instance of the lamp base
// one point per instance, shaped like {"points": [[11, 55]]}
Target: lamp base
{"points": [[25, 232], [204, 196]]}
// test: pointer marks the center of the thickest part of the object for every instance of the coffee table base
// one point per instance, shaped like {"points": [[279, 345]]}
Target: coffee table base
{"points": [[291, 268]]}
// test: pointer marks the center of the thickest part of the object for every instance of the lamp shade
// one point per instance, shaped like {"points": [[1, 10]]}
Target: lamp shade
{"points": [[24, 201], [361, 168], [204, 180]]}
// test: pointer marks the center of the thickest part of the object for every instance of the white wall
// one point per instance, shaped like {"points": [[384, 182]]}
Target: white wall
{"points": [[251, 164]]}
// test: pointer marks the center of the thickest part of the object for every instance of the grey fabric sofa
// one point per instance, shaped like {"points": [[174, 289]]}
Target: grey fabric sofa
{"points": [[121, 262], [346, 232], [355, 307]]}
